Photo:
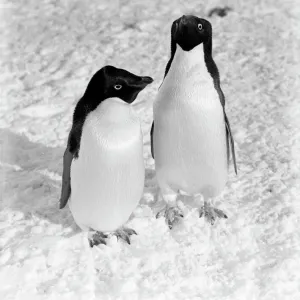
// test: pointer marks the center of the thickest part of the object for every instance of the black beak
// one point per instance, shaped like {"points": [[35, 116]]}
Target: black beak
{"points": [[183, 21], [147, 79], [140, 82], [178, 26], [143, 82]]}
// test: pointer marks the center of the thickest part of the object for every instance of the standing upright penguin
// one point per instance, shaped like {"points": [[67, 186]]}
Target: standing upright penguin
{"points": [[190, 134], [103, 166]]}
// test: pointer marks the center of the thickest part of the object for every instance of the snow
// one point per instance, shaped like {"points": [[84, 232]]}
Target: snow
{"points": [[49, 51]]}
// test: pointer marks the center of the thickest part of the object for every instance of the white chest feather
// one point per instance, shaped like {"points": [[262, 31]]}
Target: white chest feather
{"points": [[107, 179], [189, 129]]}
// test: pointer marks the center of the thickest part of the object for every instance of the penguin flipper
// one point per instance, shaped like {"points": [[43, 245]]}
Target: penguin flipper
{"points": [[80, 113], [229, 139], [151, 139], [72, 150], [66, 179]]}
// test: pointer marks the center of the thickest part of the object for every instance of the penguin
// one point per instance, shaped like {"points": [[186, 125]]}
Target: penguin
{"points": [[103, 165], [191, 137]]}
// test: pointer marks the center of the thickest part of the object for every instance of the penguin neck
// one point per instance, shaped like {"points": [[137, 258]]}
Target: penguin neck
{"points": [[190, 79], [187, 62], [194, 54], [114, 109], [200, 56]]}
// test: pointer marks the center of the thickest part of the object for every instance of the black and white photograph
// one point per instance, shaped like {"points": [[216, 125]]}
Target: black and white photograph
{"points": [[149, 150]]}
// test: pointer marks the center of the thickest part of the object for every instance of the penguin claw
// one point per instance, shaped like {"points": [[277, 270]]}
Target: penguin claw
{"points": [[124, 233], [97, 238], [171, 214], [211, 213]]}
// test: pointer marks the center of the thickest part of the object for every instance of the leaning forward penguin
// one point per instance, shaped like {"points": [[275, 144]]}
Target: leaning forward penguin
{"points": [[191, 139], [103, 166]]}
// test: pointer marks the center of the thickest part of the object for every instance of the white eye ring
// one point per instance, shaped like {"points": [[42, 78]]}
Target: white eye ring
{"points": [[200, 26], [118, 86]]}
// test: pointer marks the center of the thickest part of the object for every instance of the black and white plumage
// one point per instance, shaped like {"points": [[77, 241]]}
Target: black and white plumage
{"points": [[191, 139], [103, 164]]}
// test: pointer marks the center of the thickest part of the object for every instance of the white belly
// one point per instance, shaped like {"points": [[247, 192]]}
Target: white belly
{"points": [[189, 129], [107, 179]]}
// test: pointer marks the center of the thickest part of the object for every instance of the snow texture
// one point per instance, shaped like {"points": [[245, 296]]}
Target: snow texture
{"points": [[49, 51]]}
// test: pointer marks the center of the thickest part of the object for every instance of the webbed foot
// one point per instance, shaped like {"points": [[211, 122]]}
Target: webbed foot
{"points": [[211, 213], [97, 238], [172, 215], [124, 233]]}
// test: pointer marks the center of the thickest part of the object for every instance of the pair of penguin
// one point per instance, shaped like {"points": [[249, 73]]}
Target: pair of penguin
{"points": [[191, 139]]}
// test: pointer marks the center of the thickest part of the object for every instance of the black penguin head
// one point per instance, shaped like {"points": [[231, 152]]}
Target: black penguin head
{"points": [[190, 31], [111, 82]]}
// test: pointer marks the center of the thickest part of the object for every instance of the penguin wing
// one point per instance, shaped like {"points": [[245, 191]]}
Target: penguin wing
{"points": [[66, 178], [79, 116], [72, 151], [151, 139], [213, 69], [230, 141]]}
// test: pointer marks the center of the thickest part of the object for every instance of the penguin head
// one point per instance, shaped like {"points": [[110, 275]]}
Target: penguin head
{"points": [[111, 82], [190, 31]]}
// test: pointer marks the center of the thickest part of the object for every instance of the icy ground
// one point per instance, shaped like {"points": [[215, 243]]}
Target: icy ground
{"points": [[49, 51]]}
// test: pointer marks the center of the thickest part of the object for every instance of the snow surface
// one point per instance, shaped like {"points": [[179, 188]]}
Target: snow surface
{"points": [[49, 51]]}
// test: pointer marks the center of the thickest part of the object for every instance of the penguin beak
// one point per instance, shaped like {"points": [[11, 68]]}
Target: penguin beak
{"points": [[183, 21], [140, 82], [147, 79], [143, 82], [178, 27]]}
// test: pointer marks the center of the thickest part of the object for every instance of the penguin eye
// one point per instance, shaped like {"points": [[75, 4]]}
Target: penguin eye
{"points": [[200, 26], [118, 86]]}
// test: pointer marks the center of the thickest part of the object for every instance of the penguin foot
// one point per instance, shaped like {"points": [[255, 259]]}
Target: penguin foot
{"points": [[97, 238], [124, 233], [211, 213], [172, 215]]}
